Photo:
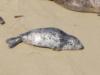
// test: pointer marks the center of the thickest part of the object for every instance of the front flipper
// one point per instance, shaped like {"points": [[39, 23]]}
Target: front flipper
{"points": [[56, 49]]}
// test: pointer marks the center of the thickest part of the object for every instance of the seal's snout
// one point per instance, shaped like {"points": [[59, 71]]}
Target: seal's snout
{"points": [[82, 47]]}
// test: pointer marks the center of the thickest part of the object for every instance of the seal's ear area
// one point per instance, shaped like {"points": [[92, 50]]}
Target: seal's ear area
{"points": [[12, 42]]}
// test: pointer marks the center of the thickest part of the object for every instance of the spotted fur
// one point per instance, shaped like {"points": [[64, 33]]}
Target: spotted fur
{"points": [[50, 37]]}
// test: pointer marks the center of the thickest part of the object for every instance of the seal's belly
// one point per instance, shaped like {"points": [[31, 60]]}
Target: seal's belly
{"points": [[42, 40]]}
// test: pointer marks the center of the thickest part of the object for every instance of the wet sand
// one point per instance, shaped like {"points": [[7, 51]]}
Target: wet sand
{"points": [[29, 60]]}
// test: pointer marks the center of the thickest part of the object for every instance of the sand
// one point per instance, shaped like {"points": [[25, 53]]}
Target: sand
{"points": [[29, 60]]}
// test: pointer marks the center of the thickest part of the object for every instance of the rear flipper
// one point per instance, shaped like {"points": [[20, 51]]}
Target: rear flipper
{"points": [[12, 42]]}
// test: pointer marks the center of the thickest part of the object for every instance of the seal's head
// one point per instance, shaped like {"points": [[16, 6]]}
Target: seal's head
{"points": [[73, 43]]}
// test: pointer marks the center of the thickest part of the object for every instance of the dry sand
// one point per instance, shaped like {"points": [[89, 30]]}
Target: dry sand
{"points": [[28, 60]]}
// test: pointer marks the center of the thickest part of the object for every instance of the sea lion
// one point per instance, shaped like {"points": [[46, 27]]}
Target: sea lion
{"points": [[91, 6], [50, 37]]}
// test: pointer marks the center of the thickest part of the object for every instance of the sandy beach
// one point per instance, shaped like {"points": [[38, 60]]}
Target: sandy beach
{"points": [[29, 60]]}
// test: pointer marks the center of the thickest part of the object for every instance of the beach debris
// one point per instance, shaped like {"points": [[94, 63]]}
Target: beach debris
{"points": [[18, 16], [2, 22]]}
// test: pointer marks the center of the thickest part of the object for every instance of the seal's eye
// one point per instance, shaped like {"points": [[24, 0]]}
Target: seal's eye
{"points": [[70, 42]]}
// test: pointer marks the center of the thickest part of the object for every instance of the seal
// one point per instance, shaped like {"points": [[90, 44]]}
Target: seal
{"points": [[91, 6], [49, 37]]}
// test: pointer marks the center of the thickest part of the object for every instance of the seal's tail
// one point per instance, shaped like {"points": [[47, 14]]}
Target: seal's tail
{"points": [[12, 42]]}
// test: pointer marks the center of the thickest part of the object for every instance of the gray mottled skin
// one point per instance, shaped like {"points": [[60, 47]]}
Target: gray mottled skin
{"points": [[53, 38], [92, 6]]}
